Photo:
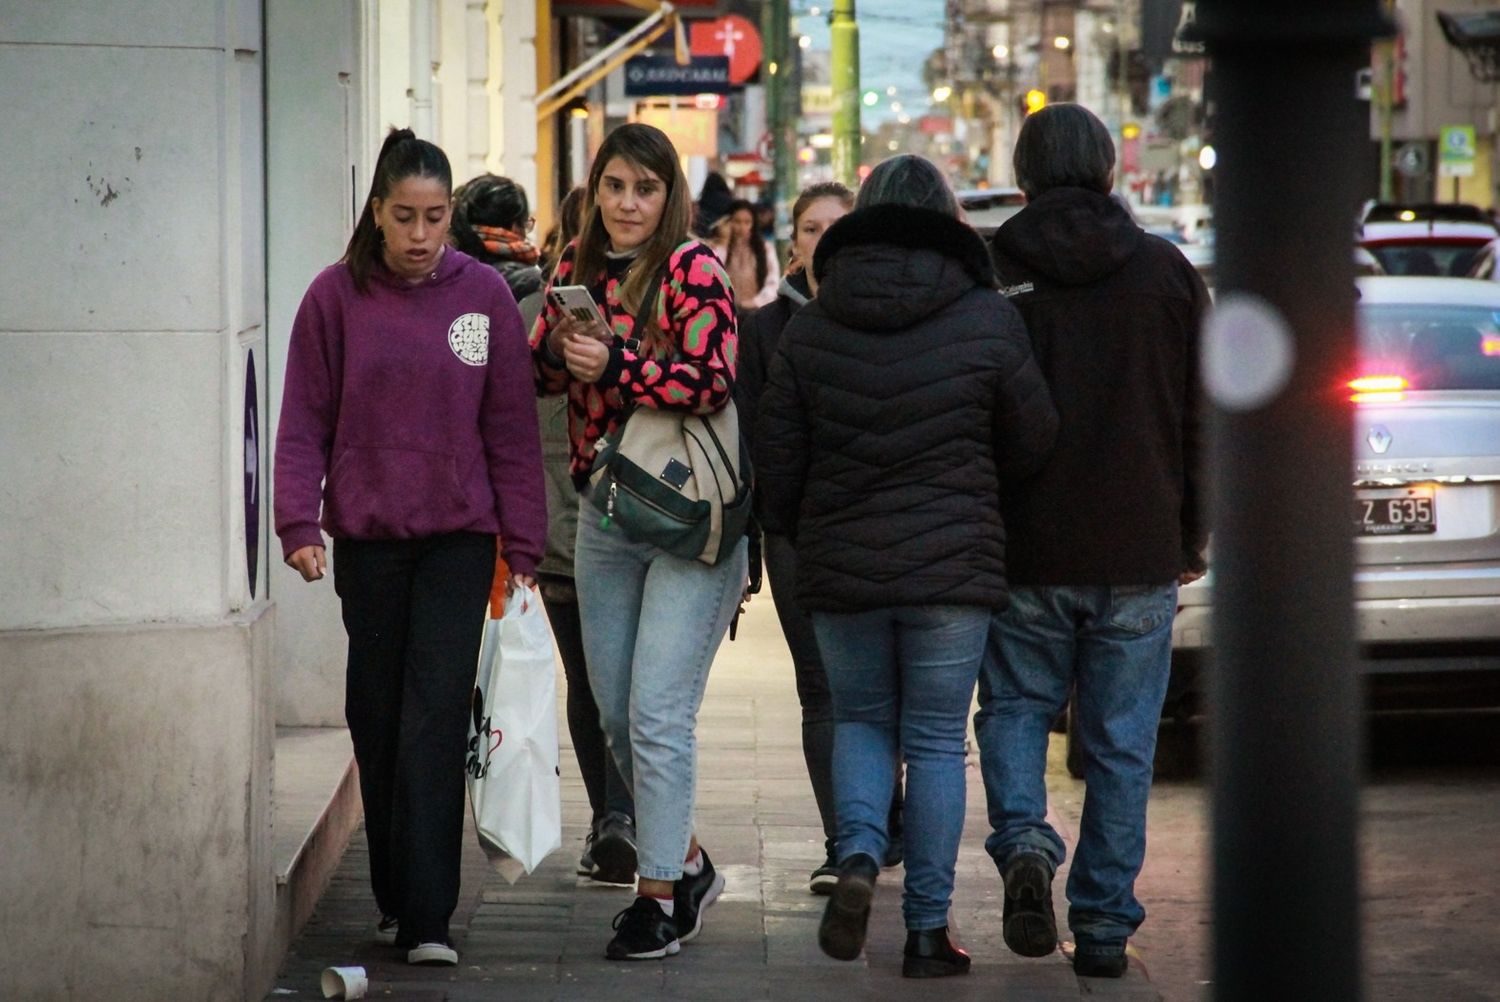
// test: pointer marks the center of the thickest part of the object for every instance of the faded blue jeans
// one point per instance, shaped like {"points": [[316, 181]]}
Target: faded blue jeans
{"points": [[652, 623], [902, 680], [1115, 645]]}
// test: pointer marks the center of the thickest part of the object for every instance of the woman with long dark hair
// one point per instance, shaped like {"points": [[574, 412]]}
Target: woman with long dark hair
{"points": [[747, 257], [408, 433], [817, 208], [652, 621]]}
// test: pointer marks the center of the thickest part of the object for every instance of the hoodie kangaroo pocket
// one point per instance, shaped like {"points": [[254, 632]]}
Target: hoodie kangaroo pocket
{"points": [[386, 493]]}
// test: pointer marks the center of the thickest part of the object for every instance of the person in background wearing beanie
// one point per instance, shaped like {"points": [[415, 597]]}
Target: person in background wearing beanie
{"points": [[408, 432], [901, 401], [491, 220], [1100, 539]]}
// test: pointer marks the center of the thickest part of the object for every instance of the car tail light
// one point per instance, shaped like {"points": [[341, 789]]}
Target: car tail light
{"points": [[1378, 389], [1490, 344]]}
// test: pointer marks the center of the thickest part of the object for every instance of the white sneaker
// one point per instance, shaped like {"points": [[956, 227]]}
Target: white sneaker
{"points": [[432, 955]]}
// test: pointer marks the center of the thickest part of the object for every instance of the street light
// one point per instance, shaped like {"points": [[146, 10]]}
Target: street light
{"points": [[871, 99], [941, 93], [1207, 157], [1000, 51], [890, 91], [1061, 42]]}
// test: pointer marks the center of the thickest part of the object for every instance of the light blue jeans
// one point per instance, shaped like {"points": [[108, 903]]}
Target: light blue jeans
{"points": [[651, 625], [902, 680], [1115, 645]]}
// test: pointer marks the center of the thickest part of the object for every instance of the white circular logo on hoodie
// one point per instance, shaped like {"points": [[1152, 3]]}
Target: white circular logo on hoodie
{"points": [[469, 337]]}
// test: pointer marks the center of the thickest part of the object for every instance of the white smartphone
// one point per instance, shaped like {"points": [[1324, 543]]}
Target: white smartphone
{"points": [[574, 301]]}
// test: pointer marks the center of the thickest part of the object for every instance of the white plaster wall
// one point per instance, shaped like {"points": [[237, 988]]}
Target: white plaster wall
{"points": [[110, 474], [135, 729], [513, 128], [134, 812], [317, 172]]}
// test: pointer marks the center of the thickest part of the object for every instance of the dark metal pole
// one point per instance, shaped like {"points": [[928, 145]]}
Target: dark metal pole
{"points": [[1278, 351]]}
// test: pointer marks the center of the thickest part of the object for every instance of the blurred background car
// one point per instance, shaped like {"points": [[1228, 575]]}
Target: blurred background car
{"points": [[1427, 238], [986, 208]]}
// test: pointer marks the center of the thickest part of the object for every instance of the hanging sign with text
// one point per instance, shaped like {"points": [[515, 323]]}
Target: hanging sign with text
{"points": [[661, 76]]}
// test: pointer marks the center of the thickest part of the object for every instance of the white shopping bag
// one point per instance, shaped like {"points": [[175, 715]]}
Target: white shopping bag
{"points": [[512, 761]]}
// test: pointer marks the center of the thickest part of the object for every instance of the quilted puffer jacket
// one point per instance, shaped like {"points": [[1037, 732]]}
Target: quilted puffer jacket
{"points": [[899, 403]]}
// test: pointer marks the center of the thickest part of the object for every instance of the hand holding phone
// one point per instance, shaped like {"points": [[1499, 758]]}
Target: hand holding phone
{"points": [[574, 301]]}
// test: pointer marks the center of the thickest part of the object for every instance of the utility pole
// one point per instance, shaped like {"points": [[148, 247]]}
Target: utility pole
{"points": [[845, 69], [781, 105], [1386, 95], [1285, 708]]}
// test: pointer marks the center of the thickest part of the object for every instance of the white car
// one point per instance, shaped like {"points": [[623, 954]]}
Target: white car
{"points": [[1426, 478], [1425, 488]]}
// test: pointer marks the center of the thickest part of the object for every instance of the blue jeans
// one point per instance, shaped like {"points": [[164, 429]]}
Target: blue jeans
{"points": [[1115, 645], [651, 625], [902, 679]]}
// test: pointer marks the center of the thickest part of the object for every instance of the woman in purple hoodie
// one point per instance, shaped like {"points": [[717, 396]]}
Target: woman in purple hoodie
{"points": [[409, 435]]}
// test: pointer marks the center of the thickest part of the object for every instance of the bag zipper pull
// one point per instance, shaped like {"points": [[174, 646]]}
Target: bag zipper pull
{"points": [[609, 505]]}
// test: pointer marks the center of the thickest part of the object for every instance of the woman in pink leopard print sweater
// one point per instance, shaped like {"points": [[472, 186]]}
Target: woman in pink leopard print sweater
{"points": [[652, 621]]}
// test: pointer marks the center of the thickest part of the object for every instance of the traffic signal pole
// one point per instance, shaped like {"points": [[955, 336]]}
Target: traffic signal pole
{"points": [[1278, 351], [844, 61]]}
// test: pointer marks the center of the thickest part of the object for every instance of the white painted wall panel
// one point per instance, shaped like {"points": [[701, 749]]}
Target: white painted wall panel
{"points": [[115, 22], [117, 187], [110, 478]]}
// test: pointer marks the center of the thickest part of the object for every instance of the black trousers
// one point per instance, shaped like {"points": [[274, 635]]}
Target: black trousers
{"points": [[812, 686], [414, 611], [601, 777]]}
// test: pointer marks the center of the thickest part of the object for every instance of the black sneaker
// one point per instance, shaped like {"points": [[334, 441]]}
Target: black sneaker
{"points": [[825, 877], [586, 861], [1030, 928], [930, 953], [1100, 960], [614, 851], [691, 897], [841, 934], [387, 929], [643, 932]]}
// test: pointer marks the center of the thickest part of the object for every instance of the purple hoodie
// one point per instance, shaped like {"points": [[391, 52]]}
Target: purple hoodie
{"points": [[409, 411]]}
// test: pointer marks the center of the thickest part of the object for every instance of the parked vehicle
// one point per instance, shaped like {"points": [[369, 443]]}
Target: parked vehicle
{"points": [[1426, 239], [986, 209], [1425, 502]]}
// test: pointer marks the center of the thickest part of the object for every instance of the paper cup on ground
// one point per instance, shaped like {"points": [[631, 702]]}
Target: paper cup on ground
{"points": [[345, 983]]}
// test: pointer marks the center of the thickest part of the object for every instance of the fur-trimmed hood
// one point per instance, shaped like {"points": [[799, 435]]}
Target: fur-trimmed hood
{"points": [[887, 267]]}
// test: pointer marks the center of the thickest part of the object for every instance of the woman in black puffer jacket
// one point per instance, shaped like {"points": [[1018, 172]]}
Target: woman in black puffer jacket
{"points": [[900, 403]]}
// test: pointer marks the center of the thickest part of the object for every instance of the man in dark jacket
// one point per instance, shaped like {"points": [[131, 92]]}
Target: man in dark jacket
{"points": [[1100, 539]]}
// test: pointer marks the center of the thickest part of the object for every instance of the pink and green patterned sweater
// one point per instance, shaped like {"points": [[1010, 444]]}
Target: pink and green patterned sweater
{"points": [[694, 307]]}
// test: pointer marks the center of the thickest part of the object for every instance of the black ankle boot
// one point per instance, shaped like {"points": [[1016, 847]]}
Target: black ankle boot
{"points": [[846, 920], [931, 954]]}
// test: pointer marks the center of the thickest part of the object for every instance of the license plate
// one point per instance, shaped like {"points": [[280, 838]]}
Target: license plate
{"points": [[1395, 512]]}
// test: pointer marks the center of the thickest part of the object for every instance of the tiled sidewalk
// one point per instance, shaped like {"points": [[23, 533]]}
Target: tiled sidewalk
{"points": [[544, 937]]}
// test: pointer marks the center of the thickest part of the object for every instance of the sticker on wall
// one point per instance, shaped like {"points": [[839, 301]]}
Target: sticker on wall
{"points": [[252, 473]]}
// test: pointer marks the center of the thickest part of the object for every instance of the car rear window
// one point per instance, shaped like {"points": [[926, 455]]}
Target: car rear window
{"points": [[1426, 258], [1435, 347]]}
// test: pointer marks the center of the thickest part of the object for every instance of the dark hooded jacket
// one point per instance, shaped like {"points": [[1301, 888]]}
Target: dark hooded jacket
{"points": [[760, 336], [1113, 315], [899, 401]]}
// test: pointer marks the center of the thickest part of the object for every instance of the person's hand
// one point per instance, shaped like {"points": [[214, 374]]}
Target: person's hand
{"points": [[1188, 577], [521, 581], [585, 357], [309, 561], [568, 328]]}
